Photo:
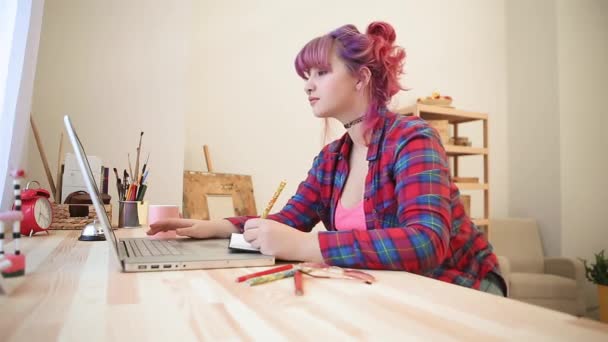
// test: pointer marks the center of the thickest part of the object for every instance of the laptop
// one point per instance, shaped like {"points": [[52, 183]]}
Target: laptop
{"points": [[146, 255]]}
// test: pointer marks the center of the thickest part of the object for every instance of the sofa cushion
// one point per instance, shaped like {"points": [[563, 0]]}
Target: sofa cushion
{"points": [[518, 240], [535, 285]]}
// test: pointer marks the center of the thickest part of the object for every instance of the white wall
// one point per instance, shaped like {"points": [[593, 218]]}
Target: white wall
{"points": [[582, 54], [557, 123], [248, 103], [557, 70], [533, 120], [118, 68]]}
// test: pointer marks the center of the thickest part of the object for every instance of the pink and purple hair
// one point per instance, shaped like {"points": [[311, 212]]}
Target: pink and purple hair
{"points": [[374, 50]]}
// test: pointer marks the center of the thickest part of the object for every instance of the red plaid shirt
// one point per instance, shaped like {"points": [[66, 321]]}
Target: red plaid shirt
{"points": [[415, 218]]}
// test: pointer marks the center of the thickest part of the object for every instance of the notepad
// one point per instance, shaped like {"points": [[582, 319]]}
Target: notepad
{"points": [[238, 243]]}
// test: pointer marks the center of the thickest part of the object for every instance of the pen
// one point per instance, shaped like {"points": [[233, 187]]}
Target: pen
{"points": [[262, 273], [274, 199]]}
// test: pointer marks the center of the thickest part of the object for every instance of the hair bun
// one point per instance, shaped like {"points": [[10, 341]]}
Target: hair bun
{"points": [[382, 29]]}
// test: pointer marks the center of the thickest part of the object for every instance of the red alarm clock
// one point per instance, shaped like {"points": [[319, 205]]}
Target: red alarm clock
{"points": [[37, 211]]}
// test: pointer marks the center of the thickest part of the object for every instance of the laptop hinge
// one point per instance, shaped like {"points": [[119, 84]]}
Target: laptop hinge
{"points": [[123, 252]]}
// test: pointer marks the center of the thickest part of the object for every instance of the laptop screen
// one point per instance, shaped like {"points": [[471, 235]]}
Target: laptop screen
{"points": [[89, 180]]}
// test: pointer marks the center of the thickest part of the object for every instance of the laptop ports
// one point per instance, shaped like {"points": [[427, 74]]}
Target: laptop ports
{"points": [[154, 267], [166, 266], [142, 267]]}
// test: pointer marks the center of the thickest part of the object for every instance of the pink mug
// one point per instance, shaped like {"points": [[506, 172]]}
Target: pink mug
{"points": [[161, 212]]}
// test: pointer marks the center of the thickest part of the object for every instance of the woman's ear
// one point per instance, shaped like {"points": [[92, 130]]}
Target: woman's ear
{"points": [[364, 76]]}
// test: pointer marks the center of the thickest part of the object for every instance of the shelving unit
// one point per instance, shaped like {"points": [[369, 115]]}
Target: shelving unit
{"points": [[456, 117]]}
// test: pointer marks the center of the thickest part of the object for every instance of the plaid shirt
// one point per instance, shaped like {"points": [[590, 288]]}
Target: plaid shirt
{"points": [[415, 218]]}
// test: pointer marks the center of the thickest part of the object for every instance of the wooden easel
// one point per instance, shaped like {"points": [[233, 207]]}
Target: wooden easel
{"points": [[200, 186], [55, 187]]}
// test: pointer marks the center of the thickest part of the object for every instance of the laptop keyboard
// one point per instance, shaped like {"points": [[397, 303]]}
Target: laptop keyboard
{"points": [[145, 247]]}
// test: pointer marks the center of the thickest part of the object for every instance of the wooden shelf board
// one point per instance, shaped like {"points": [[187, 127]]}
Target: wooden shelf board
{"points": [[472, 186], [454, 150], [481, 221], [453, 115]]}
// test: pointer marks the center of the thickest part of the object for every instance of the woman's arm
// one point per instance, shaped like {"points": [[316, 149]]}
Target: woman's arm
{"points": [[301, 210]]}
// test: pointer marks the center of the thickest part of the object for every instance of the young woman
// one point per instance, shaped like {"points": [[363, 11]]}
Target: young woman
{"points": [[383, 190]]}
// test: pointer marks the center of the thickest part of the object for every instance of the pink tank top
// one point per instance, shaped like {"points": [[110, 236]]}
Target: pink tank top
{"points": [[350, 218]]}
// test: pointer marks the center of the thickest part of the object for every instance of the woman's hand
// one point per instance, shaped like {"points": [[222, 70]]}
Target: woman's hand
{"points": [[198, 229], [282, 241]]}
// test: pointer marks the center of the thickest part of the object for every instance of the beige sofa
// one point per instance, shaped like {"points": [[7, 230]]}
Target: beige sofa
{"points": [[555, 283]]}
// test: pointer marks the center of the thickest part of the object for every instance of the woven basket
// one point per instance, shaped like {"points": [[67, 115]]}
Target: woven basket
{"points": [[63, 221]]}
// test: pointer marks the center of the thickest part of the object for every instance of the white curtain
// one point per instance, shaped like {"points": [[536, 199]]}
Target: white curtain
{"points": [[20, 23]]}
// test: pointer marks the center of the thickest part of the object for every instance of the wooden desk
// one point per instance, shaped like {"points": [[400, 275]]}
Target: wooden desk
{"points": [[72, 291]]}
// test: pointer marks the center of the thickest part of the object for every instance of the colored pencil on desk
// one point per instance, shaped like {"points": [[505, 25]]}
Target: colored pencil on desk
{"points": [[271, 277], [263, 273], [297, 280]]}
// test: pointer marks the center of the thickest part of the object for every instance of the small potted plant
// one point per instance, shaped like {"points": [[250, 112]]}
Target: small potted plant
{"points": [[598, 273]]}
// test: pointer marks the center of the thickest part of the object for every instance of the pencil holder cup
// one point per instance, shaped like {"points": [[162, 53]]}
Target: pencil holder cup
{"points": [[127, 214]]}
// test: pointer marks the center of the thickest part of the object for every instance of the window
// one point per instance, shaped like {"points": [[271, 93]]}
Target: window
{"points": [[20, 22]]}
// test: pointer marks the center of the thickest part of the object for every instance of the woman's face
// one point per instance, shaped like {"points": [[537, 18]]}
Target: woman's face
{"points": [[331, 93]]}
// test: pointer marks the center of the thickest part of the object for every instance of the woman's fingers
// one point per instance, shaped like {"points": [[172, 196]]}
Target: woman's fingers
{"points": [[251, 224], [256, 243], [196, 232], [169, 224], [250, 235]]}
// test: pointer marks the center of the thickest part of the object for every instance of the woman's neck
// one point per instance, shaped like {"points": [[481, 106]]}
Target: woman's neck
{"points": [[357, 134], [354, 125]]}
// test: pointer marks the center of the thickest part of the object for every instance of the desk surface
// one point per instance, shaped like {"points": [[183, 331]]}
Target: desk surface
{"points": [[73, 289]]}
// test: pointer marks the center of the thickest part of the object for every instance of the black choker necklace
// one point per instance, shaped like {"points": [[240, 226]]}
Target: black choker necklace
{"points": [[354, 122]]}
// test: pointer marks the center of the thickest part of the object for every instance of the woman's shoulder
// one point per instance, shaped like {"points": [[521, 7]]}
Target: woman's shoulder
{"points": [[334, 147], [330, 152], [404, 127]]}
